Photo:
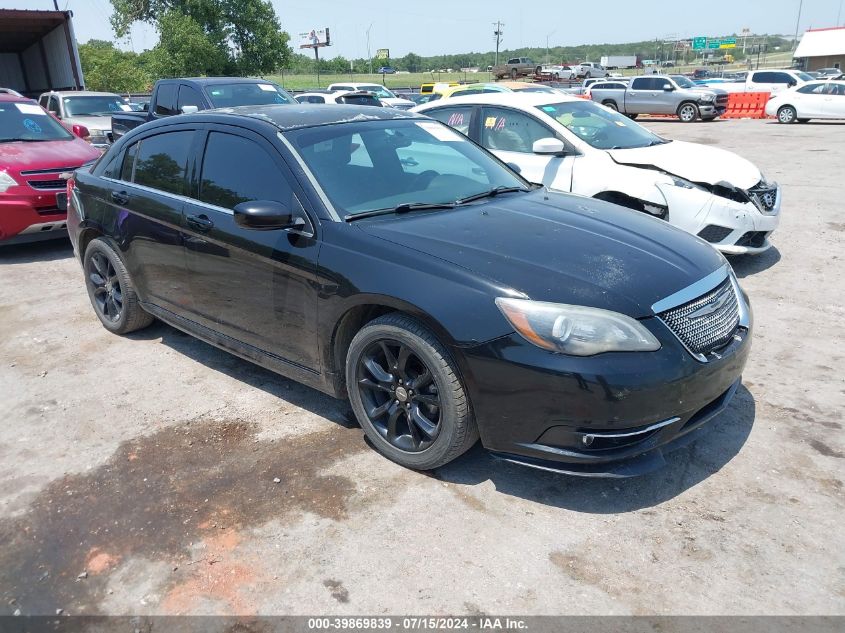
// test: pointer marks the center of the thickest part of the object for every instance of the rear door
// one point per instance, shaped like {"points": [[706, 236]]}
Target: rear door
{"points": [[257, 287], [639, 98], [147, 194]]}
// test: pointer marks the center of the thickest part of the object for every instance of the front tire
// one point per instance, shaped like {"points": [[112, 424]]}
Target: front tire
{"points": [[787, 114], [111, 290], [514, 73], [406, 393], [687, 112]]}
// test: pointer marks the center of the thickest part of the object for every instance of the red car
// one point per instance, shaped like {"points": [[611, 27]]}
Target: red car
{"points": [[35, 149]]}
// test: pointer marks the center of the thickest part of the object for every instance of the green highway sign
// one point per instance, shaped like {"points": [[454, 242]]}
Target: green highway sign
{"points": [[713, 44], [728, 43], [698, 43]]}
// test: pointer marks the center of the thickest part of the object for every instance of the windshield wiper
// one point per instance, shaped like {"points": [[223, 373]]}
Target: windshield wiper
{"points": [[400, 208], [495, 191], [25, 140]]}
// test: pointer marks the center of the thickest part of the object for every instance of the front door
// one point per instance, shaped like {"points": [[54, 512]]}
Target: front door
{"points": [[257, 287], [510, 135]]}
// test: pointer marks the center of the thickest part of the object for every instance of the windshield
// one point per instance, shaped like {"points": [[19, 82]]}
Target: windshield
{"points": [[804, 76], [683, 82], [600, 127], [239, 94], [371, 165], [94, 106], [379, 91], [29, 122]]}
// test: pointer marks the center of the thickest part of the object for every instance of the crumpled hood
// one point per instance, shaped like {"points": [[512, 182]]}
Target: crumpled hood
{"points": [[694, 162], [18, 156], [559, 247]]}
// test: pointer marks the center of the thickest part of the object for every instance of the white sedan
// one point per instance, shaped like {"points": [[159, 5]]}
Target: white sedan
{"points": [[569, 144], [812, 100]]}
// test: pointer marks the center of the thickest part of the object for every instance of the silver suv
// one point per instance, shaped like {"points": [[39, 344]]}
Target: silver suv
{"points": [[91, 109]]}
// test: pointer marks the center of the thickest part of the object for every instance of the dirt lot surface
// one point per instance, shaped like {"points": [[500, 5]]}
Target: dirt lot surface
{"points": [[137, 474]]}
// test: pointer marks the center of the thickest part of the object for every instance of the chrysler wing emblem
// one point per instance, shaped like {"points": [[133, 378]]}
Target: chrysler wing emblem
{"points": [[710, 307]]}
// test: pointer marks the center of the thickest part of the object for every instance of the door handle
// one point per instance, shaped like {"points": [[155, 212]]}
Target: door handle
{"points": [[120, 197], [200, 222]]}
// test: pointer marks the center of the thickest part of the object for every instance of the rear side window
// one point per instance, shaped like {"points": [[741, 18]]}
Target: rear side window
{"points": [[458, 118], [166, 99], [643, 83], [161, 161], [253, 176]]}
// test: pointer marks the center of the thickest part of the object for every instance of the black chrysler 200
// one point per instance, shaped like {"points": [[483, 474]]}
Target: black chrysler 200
{"points": [[381, 256]]}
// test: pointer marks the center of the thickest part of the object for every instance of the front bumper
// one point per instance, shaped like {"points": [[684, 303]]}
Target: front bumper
{"points": [[734, 228], [609, 415], [27, 217]]}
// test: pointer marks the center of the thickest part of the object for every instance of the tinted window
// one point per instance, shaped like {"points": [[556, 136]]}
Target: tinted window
{"points": [[254, 176], [238, 94], [311, 99], [54, 105], [644, 83], [457, 118], [128, 163], [166, 99], [43, 101], [189, 96], [367, 100], [162, 160], [511, 131]]}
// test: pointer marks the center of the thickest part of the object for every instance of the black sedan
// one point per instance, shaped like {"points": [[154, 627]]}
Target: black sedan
{"points": [[381, 256]]}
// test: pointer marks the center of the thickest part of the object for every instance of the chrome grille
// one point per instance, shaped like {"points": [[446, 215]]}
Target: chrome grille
{"points": [[707, 323]]}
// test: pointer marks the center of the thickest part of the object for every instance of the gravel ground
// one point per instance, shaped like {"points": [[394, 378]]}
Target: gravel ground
{"points": [[137, 474]]}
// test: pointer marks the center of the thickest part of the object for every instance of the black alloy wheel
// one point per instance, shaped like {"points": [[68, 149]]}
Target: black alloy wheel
{"points": [[399, 395], [107, 293]]}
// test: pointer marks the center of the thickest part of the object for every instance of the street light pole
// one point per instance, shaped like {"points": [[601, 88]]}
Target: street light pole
{"points": [[369, 57], [797, 23], [498, 34], [548, 35]]}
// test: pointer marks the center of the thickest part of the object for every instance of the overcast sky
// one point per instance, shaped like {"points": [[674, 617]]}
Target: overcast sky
{"points": [[448, 26]]}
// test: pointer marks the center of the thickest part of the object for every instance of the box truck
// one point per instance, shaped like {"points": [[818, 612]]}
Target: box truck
{"points": [[620, 61]]}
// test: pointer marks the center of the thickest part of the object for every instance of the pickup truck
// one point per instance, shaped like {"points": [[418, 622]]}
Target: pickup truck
{"points": [[662, 94], [591, 69], [516, 67], [181, 96]]}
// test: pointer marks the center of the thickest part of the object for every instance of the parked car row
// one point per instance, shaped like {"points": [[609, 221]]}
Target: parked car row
{"points": [[384, 257]]}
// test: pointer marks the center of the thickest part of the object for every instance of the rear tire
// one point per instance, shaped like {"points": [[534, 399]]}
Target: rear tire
{"points": [[111, 290], [632, 116], [688, 112], [803, 120], [514, 74], [406, 393], [787, 114], [610, 104]]}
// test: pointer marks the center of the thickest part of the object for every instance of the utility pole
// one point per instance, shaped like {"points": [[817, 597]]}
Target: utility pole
{"points": [[498, 33], [548, 35], [798, 22], [839, 14]]}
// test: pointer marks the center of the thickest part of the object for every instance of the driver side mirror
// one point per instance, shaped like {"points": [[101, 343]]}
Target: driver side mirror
{"points": [[549, 146], [267, 215]]}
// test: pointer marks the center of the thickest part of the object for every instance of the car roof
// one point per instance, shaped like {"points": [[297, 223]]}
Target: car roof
{"points": [[8, 97], [293, 116], [523, 99], [354, 84], [80, 93], [220, 80]]}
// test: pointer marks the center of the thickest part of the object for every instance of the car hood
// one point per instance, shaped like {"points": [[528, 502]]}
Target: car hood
{"points": [[692, 161], [15, 157], [560, 248], [91, 122]]}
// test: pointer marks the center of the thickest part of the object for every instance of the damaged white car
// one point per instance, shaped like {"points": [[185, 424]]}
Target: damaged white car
{"points": [[569, 144]]}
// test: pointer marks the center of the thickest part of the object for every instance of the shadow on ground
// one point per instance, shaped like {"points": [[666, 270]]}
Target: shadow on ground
{"points": [[49, 251], [745, 265]]}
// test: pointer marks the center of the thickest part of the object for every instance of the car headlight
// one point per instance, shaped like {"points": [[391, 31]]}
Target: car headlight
{"points": [[576, 330], [707, 97], [6, 181]]}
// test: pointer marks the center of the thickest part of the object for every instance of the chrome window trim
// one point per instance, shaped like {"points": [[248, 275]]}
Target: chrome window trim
{"points": [[693, 291], [159, 192]]}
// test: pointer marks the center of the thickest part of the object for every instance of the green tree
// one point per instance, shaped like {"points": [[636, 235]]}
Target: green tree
{"points": [[246, 33], [184, 49], [411, 62], [109, 69]]}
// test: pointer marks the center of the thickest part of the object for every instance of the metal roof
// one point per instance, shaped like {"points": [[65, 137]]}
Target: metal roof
{"points": [[822, 43], [21, 28]]}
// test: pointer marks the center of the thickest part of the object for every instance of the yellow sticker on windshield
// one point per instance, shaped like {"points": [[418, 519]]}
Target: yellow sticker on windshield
{"points": [[490, 122]]}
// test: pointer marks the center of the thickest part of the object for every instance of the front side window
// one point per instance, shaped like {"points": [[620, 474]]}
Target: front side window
{"points": [[457, 118], [166, 99], [28, 122], [189, 96], [511, 131], [162, 160], [365, 166], [813, 89], [600, 127], [254, 176], [240, 94]]}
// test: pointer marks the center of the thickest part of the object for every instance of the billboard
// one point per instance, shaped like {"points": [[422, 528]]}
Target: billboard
{"points": [[383, 53], [315, 38]]}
